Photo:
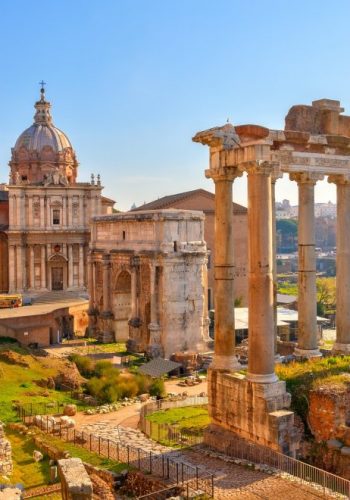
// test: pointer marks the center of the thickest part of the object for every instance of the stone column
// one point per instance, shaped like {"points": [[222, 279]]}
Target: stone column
{"points": [[70, 211], [43, 267], [31, 265], [91, 282], [154, 348], [81, 265], [275, 175], [261, 338], [224, 349], [70, 265], [342, 343], [307, 298], [19, 267], [20, 210], [64, 211], [107, 269], [42, 211], [133, 291], [30, 211], [81, 211], [12, 268], [48, 212]]}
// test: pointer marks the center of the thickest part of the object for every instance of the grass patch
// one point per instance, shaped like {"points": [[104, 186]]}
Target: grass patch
{"points": [[25, 471], [188, 417], [85, 455], [17, 379]]}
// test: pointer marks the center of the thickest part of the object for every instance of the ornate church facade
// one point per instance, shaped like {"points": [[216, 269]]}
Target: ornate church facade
{"points": [[48, 233]]}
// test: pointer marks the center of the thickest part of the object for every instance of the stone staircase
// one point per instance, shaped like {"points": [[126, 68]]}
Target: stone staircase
{"points": [[57, 297]]}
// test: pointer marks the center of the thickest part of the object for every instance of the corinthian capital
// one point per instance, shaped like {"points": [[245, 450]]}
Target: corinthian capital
{"points": [[261, 167], [306, 177], [339, 178], [223, 173]]}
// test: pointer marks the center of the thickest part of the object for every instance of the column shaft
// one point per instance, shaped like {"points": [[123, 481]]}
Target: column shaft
{"points": [[43, 267], [81, 265], [133, 291], [307, 298], [261, 335], [106, 264], [70, 265], [342, 343], [81, 211], [154, 305], [224, 357], [32, 270], [19, 267], [12, 267], [42, 211]]}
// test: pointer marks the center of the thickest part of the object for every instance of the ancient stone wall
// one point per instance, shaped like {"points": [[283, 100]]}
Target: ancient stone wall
{"points": [[76, 483], [329, 414], [5, 453]]}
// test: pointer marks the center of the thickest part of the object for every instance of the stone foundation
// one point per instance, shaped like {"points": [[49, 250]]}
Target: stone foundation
{"points": [[76, 483], [255, 411], [5, 453]]}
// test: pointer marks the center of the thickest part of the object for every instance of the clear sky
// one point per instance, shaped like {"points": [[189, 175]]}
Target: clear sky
{"points": [[132, 81]]}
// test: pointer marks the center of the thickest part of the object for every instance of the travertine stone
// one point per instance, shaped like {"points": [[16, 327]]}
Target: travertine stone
{"points": [[76, 483], [261, 315], [307, 313], [5, 453], [156, 268], [342, 344]]}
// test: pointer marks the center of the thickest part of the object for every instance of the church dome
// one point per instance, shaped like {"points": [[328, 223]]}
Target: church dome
{"points": [[43, 150], [42, 133], [38, 136]]}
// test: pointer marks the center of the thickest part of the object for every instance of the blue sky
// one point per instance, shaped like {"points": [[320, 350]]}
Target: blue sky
{"points": [[131, 82]]}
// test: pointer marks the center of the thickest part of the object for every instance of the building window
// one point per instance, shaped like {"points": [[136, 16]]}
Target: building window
{"points": [[124, 235], [55, 217]]}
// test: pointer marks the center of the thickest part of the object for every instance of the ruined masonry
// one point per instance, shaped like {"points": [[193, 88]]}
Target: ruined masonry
{"points": [[5, 453], [148, 281], [315, 143]]}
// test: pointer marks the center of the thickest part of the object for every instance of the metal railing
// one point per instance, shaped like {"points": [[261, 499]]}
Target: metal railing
{"points": [[307, 474], [171, 434], [160, 465]]}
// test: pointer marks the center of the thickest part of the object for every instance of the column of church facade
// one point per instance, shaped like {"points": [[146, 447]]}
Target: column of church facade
{"points": [[342, 343], [70, 211], [19, 267], [307, 298], [12, 269], [42, 211], [81, 265], [224, 355], [48, 212], [31, 267], [48, 277], [261, 358], [70, 265], [81, 211], [30, 211], [64, 211], [43, 266]]}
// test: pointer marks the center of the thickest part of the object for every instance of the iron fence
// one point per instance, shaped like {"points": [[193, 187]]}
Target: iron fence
{"points": [[161, 465], [305, 473], [169, 433]]}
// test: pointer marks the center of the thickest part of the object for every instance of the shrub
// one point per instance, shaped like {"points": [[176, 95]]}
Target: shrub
{"points": [[84, 364], [157, 388], [101, 367]]}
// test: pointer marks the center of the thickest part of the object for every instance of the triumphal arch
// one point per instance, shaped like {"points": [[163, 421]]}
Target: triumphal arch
{"points": [[315, 143]]}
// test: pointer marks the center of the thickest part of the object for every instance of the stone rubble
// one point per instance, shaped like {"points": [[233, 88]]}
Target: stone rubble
{"points": [[5, 453]]}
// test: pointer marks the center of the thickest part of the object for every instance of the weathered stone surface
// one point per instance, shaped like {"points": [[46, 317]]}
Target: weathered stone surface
{"points": [[70, 410], [334, 444], [5, 453], [150, 280], [76, 483]]}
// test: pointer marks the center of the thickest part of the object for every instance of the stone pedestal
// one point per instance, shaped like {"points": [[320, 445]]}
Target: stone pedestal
{"points": [[254, 411], [154, 348]]}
